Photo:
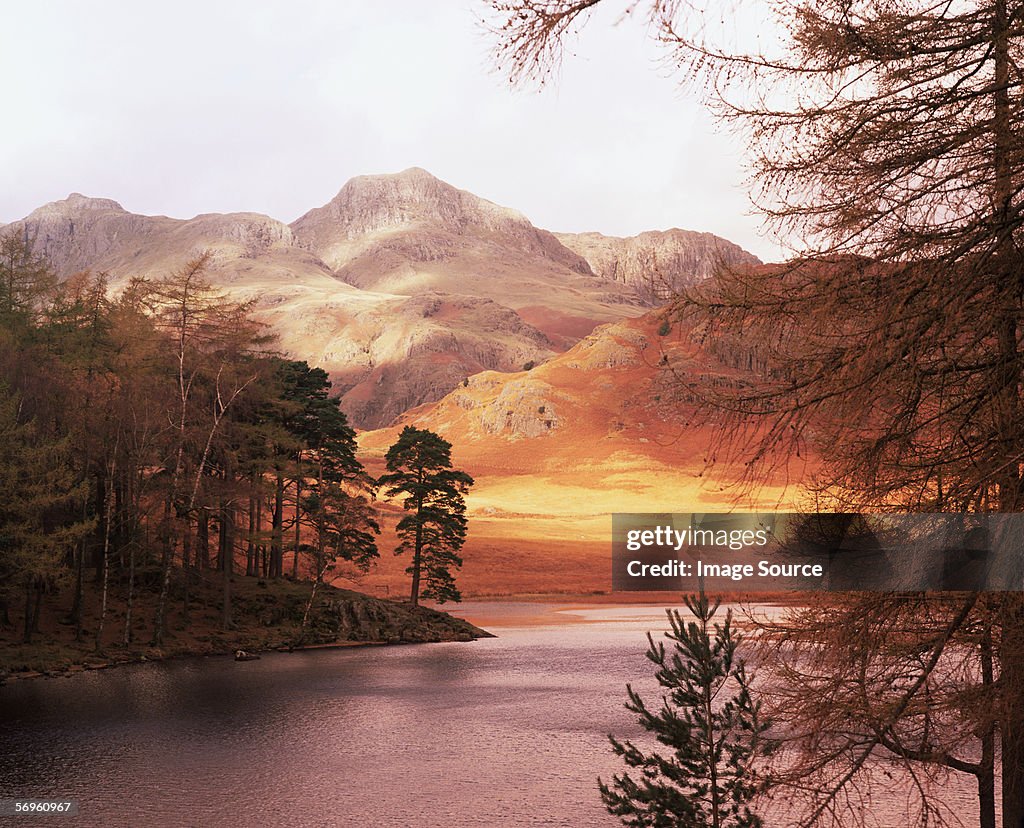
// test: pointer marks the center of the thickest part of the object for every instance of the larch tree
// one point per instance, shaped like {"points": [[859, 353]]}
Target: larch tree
{"points": [[419, 468], [887, 145], [214, 341]]}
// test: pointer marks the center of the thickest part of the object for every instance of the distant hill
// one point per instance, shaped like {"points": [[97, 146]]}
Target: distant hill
{"points": [[401, 287], [608, 426]]}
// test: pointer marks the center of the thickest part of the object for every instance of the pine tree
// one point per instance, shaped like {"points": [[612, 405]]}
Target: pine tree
{"points": [[420, 467], [709, 780], [40, 509]]}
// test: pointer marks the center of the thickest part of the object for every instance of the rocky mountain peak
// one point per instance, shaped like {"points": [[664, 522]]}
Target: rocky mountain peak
{"points": [[657, 263], [373, 203], [74, 204], [371, 207]]}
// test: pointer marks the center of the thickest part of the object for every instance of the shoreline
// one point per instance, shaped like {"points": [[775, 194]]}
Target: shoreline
{"points": [[268, 617], [112, 663], [476, 613]]}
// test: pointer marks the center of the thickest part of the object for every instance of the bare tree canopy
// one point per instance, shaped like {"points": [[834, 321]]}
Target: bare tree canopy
{"points": [[886, 143]]}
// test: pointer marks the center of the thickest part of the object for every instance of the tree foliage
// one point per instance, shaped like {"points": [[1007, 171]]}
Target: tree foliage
{"points": [[419, 467], [152, 436], [709, 720], [40, 516]]}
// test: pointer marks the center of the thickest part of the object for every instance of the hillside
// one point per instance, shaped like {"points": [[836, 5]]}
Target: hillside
{"points": [[605, 427], [400, 287]]}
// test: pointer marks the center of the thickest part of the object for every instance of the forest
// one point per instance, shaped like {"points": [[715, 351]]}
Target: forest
{"points": [[154, 446]]}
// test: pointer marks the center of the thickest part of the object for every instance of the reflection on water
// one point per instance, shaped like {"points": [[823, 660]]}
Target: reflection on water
{"points": [[508, 731]]}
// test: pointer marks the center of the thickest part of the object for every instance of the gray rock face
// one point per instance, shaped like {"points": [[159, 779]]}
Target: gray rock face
{"points": [[657, 263]]}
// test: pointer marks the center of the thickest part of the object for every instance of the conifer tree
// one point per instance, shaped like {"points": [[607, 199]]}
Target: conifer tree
{"points": [[420, 467], [40, 509], [26, 279], [709, 720]]}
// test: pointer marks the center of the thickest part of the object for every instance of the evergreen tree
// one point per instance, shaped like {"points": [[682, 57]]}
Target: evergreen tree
{"points": [[711, 723], [26, 280], [40, 509], [337, 504], [420, 467]]}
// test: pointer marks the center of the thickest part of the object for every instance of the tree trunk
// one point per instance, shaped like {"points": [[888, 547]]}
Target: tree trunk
{"points": [[76, 607], [227, 549], [1007, 418], [298, 527], [986, 774], [108, 514], [27, 637], [203, 538], [165, 570], [227, 567], [186, 563], [250, 546], [127, 639], [1011, 681], [40, 589], [277, 530], [417, 557]]}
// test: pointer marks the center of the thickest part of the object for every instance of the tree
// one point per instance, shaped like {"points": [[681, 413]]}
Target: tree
{"points": [[419, 466], [887, 139], [40, 508], [710, 721], [343, 521], [26, 279], [868, 685], [214, 341]]}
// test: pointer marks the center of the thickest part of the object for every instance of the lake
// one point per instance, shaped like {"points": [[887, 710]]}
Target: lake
{"points": [[509, 731]]}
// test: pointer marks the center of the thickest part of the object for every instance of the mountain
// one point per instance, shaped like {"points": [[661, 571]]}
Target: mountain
{"points": [[401, 287], [608, 426], [81, 233], [657, 263], [410, 232]]}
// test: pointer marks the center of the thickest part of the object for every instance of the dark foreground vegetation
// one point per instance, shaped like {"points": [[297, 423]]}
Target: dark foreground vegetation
{"points": [[154, 447], [268, 615]]}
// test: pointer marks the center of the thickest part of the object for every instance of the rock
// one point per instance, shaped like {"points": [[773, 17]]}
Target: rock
{"points": [[242, 655], [656, 263], [369, 210]]}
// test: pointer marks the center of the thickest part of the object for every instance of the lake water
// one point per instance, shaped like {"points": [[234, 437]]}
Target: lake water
{"points": [[500, 732]]}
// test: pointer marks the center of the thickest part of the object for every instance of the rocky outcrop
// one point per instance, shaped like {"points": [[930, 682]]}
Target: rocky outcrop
{"points": [[657, 263], [423, 347], [352, 616], [511, 407]]}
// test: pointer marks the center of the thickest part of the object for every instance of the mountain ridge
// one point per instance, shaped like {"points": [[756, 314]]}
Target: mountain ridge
{"points": [[401, 286]]}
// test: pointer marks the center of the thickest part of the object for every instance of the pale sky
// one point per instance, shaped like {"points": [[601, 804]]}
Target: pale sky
{"points": [[194, 107]]}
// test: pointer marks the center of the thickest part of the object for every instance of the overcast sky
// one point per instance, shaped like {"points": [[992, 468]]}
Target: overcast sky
{"points": [[191, 107]]}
